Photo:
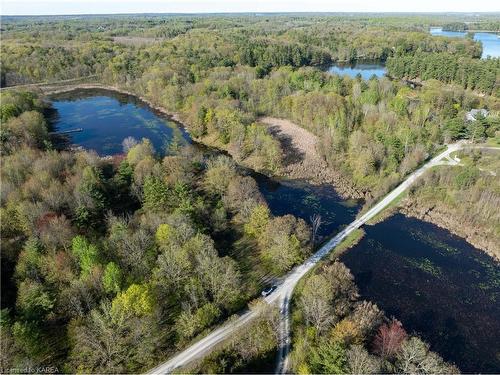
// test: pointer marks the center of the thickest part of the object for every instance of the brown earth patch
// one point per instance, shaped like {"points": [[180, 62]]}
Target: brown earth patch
{"points": [[301, 159]]}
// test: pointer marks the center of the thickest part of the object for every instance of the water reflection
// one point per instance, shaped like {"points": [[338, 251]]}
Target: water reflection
{"points": [[107, 118]]}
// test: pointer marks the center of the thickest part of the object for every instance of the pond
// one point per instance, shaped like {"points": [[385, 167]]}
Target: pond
{"points": [[437, 284], [490, 41], [107, 118], [365, 69], [304, 200]]}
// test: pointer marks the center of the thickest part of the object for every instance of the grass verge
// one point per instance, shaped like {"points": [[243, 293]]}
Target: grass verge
{"points": [[389, 210]]}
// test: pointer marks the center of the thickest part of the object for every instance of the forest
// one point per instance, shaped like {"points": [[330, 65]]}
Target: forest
{"points": [[134, 282], [480, 75], [221, 74], [131, 254], [109, 264]]}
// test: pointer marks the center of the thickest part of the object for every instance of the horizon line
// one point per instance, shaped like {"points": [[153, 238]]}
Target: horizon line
{"points": [[250, 13]]}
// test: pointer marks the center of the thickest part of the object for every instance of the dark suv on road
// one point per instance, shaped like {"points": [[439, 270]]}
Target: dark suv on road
{"points": [[268, 290]]}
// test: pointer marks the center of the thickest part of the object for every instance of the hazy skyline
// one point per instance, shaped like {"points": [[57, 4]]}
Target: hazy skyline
{"points": [[47, 7]]}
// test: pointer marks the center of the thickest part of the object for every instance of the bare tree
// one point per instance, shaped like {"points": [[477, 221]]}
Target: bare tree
{"points": [[315, 224], [128, 143], [414, 357], [360, 362]]}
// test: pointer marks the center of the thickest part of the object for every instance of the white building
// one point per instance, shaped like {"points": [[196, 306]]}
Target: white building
{"points": [[472, 114]]}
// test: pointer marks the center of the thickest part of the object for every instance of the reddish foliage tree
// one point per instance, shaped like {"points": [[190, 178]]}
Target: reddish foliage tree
{"points": [[44, 220], [389, 339], [117, 159]]}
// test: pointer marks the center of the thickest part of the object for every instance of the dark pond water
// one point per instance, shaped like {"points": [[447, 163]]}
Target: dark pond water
{"points": [[436, 284], [490, 41], [365, 69], [304, 200], [107, 118]]}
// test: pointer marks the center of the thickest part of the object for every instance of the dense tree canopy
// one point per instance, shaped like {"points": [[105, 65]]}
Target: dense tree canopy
{"points": [[113, 263], [480, 75], [117, 262]]}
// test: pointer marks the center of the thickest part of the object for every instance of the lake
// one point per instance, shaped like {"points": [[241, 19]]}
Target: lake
{"points": [[437, 284], [490, 41], [365, 69], [107, 118]]}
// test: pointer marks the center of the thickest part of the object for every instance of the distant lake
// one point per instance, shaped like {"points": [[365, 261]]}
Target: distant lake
{"points": [[437, 284], [107, 118], [365, 69], [490, 41], [438, 31]]}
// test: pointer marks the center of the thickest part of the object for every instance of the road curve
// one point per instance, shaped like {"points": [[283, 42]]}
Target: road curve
{"points": [[283, 293]]}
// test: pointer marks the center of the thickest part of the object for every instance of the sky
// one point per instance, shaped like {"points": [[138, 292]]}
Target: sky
{"points": [[44, 7]]}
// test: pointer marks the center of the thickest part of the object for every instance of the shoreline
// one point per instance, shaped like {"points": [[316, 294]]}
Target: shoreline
{"points": [[339, 183], [98, 86], [445, 219]]}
